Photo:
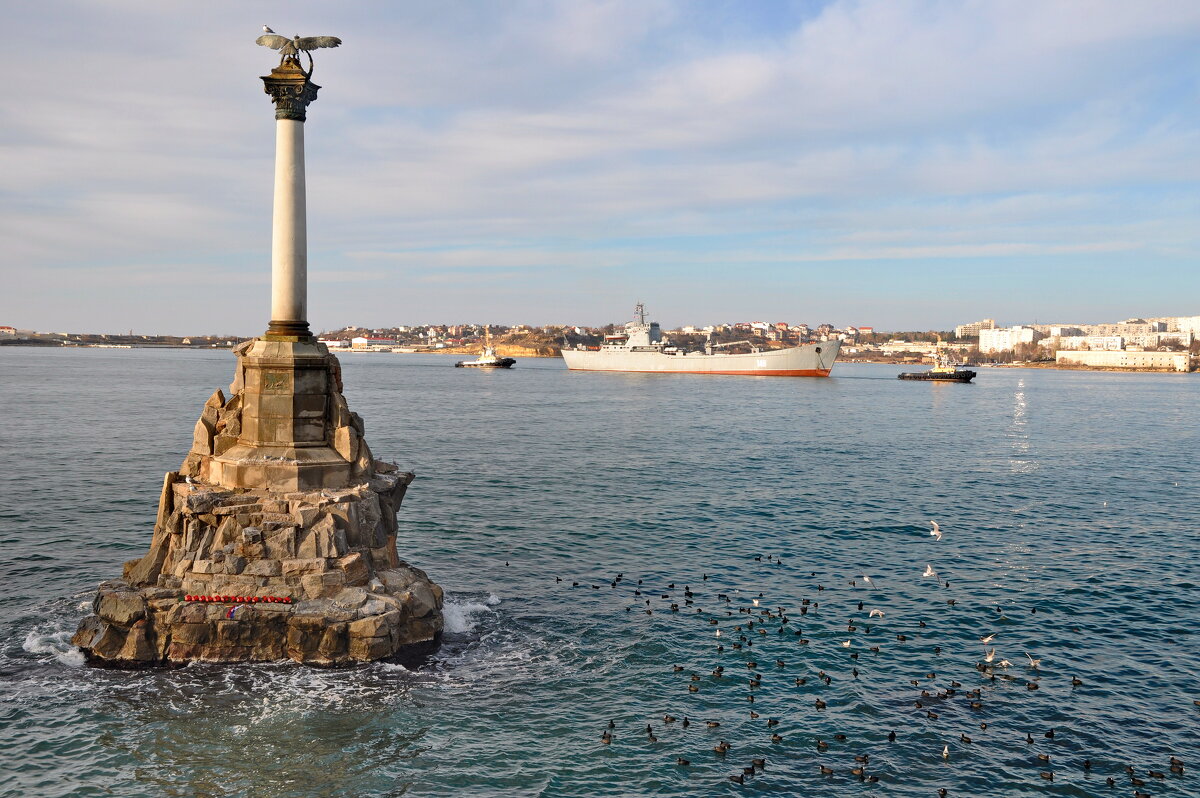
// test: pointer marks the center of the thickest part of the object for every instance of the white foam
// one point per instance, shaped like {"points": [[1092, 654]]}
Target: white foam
{"points": [[460, 618], [57, 644], [492, 600]]}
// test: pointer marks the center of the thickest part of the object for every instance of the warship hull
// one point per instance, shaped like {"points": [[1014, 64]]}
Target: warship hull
{"points": [[808, 360]]}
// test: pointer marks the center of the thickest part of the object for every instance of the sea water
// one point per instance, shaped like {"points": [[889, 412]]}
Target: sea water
{"points": [[1069, 504]]}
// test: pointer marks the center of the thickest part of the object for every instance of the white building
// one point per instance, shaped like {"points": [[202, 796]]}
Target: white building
{"points": [[1125, 359], [972, 330], [1006, 340], [1094, 342]]}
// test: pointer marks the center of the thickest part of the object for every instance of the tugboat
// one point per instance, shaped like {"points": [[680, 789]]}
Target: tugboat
{"points": [[488, 360], [943, 371]]}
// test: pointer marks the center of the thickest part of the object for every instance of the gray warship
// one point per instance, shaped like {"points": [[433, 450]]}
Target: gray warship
{"points": [[641, 348]]}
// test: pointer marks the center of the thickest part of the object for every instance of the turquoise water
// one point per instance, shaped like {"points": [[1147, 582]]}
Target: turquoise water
{"points": [[1068, 502]]}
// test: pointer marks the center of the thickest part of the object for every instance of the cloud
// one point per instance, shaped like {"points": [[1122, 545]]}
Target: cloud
{"points": [[616, 138]]}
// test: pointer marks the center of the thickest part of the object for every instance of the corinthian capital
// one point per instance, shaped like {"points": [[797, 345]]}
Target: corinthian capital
{"points": [[290, 90]]}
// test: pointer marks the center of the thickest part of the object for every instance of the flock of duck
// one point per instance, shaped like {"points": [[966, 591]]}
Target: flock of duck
{"points": [[742, 625]]}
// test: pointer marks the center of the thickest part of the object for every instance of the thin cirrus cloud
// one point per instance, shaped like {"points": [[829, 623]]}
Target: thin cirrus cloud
{"points": [[618, 147]]}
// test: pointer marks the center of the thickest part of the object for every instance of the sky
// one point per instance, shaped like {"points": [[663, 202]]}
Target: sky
{"points": [[901, 164]]}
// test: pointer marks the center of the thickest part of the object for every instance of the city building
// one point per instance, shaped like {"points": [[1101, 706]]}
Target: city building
{"points": [[1125, 359], [972, 330], [1005, 340]]}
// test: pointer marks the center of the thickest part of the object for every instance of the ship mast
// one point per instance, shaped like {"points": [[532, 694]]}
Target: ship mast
{"points": [[639, 313]]}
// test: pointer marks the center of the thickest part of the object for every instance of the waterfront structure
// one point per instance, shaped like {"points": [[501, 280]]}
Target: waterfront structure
{"points": [[1124, 359], [1004, 340], [276, 538], [972, 330]]}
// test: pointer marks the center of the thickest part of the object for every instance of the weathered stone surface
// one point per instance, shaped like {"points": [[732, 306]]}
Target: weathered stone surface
{"points": [[202, 437], [280, 544], [301, 567], [366, 649], [354, 565], [120, 605], [424, 601], [323, 585], [263, 568], [375, 625], [345, 443]]}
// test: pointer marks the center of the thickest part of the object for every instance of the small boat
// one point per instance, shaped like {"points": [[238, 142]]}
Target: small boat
{"points": [[944, 371], [489, 359]]}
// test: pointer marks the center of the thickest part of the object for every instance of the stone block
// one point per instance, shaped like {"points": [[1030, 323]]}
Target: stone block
{"points": [[302, 567], [333, 641], [280, 544], [325, 585], [305, 515], [369, 649], [345, 443], [191, 633], [276, 506], [364, 465], [424, 602], [263, 568], [122, 607], [375, 625], [194, 583], [339, 411], [234, 564], [191, 465], [323, 539], [200, 501], [397, 580], [228, 531], [350, 598], [202, 437], [223, 442], [384, 558], [354, 565], [216, 401], [138, 646], [207, 567]]}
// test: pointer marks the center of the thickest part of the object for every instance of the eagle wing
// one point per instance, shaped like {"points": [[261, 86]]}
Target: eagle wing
{"points": [[272, 40], [317, 42]]}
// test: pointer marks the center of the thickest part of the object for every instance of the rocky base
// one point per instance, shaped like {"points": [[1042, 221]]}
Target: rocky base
{"points": [[330, 550]]}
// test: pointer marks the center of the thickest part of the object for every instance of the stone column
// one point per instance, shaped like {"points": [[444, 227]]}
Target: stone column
{"points": [[291, 91], [287, 397]]}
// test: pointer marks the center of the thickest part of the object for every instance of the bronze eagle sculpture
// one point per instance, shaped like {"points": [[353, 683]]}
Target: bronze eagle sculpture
{"points": [[294, 46]]}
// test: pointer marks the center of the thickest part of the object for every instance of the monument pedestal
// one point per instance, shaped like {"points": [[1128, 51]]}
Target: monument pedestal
{"points": [[276, 539]]}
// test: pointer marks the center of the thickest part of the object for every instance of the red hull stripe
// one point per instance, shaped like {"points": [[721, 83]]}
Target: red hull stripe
{"points": [[749, 373]]}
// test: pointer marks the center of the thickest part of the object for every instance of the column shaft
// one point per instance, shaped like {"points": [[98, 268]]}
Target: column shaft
{"points": [[289, 234]]}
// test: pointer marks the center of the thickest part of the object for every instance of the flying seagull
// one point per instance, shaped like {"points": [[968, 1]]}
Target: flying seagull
{"points": [[936, 532], [929, 571]]}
